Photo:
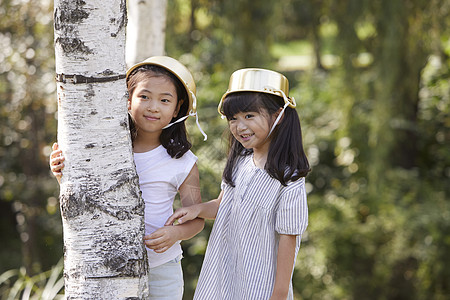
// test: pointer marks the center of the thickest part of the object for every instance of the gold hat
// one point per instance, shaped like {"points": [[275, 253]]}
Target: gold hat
{"points": [[259, 80], [179, 70]]}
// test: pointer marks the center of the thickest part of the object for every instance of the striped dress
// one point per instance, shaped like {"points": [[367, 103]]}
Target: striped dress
{"points": [[240, 260]]}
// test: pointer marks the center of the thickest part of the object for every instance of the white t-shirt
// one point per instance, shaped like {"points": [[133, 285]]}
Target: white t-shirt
{"points": [[160, 177]]}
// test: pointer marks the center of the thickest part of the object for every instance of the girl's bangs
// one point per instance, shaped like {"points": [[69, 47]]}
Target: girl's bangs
{"points": [[240, 102]]}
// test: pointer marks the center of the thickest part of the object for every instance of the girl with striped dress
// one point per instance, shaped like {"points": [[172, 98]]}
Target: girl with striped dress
{"points": [[261, 211]]}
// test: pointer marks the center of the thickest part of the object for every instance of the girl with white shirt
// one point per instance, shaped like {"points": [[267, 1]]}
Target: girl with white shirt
{"points": [[161, 96], [261, 212]]}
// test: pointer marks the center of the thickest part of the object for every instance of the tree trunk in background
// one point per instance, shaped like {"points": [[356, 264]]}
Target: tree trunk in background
{"points": [[101, 208], [146, 29], [400, 58]]}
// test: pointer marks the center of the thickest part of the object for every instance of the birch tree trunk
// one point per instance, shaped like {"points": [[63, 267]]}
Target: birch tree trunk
{"points": [[145, 30], [101, 208]]}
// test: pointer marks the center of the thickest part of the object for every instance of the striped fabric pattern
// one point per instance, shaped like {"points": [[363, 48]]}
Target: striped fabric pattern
{"points": [[240, 260]]}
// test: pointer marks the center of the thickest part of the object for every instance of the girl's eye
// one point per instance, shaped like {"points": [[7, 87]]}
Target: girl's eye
{"points": [[249, 116], [144, 97], [165, 100]]}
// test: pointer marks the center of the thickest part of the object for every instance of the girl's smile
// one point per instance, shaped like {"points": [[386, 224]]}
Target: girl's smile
{"points": [[246, 137], [151, 118], [251, 130]]}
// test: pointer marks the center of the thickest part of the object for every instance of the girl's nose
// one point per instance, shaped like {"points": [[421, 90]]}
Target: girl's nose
{"points": [[241, 126], [152, 106]]}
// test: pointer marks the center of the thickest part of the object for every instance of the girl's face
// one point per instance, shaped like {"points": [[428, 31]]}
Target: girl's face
{"points": [[153, 104], [251, 129]]}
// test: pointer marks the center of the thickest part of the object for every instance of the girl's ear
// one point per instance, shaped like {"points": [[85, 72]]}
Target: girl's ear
{"points": [[129, 103]]}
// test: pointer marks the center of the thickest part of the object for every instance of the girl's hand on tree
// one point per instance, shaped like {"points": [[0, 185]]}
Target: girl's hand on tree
{"points": [[183, 215], [162, 239], [56, 162]]}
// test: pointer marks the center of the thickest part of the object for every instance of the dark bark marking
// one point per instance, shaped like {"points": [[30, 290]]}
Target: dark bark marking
{"points": [[124, 123], [87, 199], [123, 215], [72, 205], [125, 177], [89, 92], [73, 45], [123, 18], [126, 267], [66, 18], [121, 256], [107, 72], [70, 13], [78, 79]]}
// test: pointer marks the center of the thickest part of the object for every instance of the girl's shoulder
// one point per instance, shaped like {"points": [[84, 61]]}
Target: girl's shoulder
{"points": [[243, 162], [188, 159], [241, 166], [177, 168], [292, 185], [189, 155]]}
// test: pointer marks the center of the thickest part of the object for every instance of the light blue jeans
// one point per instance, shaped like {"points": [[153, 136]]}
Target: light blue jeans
{"points": [[166, 281]]}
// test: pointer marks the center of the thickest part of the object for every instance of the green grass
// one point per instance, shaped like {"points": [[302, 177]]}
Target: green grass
{"points": [[17, 284]]}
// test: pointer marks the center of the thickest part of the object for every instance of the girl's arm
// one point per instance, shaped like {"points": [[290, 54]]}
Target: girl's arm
{"points": [[163, 238], [285, 264], [206, 210]]}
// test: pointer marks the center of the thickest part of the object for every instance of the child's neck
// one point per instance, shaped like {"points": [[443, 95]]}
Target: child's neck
{"points": [[147, 143], [260, 154], [260, 158]]}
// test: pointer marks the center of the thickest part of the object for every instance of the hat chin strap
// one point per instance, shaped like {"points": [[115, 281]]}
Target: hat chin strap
{"points": [[286, 104], [191, 114], [277, 119]]}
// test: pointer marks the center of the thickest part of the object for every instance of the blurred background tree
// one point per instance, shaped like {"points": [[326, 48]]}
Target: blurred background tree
{"points": [[372, 82], [30, 222]]}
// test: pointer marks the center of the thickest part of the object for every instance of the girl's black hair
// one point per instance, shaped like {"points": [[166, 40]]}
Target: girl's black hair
{"points": [[173, 138], [286, 160]]}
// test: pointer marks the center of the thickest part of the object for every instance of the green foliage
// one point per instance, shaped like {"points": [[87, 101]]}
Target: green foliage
{"points": [[17, 284], [387, 229], [29, 210]]}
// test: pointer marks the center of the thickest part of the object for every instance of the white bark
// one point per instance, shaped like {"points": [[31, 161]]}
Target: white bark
{"points": [[101, 207], [145, 30]]}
